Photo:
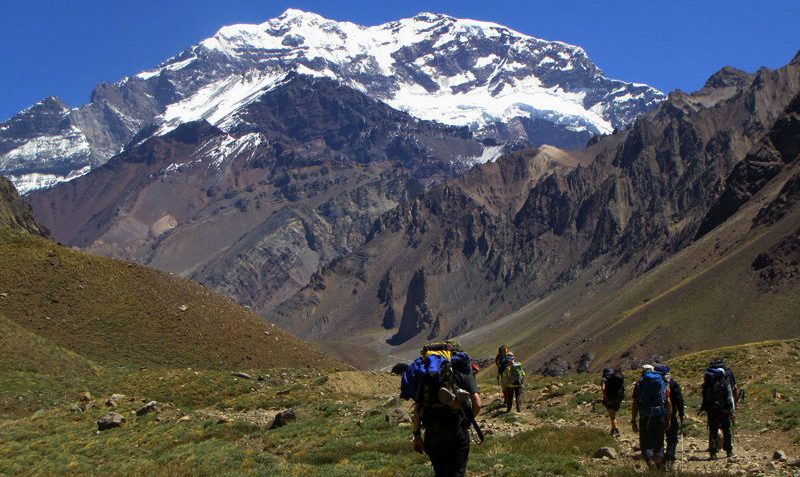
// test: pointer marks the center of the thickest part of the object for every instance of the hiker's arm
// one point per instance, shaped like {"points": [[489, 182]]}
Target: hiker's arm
{"points": [[417, 429], [634, 410], [669, 413], [476, 404]]}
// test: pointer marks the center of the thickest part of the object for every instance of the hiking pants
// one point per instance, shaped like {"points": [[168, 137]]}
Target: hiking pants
{"points": [[509, 394], [672, 439], [716, 420], [651, 436], [448, 450]]}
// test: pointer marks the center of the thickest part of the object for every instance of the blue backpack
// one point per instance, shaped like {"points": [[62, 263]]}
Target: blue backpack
{"points": [[430, 372], [651, 395]]}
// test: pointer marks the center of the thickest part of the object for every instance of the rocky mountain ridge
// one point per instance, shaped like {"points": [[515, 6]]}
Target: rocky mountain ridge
{"points": [[503, 85], [255, 211], [594, 221]]}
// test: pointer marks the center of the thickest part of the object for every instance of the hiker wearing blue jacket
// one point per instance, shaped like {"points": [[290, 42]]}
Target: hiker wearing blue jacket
{"points": [[651, 411], [444, 407]]}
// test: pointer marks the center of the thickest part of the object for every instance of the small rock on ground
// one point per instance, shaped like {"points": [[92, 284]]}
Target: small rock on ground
{"points": [[608, 452], [110, 421], [152, 406], [283, 418]]}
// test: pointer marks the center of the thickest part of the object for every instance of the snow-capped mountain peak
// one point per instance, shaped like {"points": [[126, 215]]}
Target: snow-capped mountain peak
{"points": [[498, 82]]}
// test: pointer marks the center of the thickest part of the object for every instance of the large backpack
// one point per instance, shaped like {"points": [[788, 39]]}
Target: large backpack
{"points": [[433, 370], [513, 375], [615, 385], [651, 395], [717, 390]]}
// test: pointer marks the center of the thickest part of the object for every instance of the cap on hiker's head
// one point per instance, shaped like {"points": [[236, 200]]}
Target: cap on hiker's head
{"points": [[647, 367], [661, 368]]}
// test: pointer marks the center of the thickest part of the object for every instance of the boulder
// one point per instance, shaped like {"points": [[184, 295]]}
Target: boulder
{"points": [[779, 455], [110, 421], [241, 375], [397, 415], [283, 418], [605, 452], [85, 396], [114, 399], [152, 406]]}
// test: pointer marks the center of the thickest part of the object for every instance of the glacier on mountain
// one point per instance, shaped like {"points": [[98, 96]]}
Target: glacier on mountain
{"points": [[502, 84]]}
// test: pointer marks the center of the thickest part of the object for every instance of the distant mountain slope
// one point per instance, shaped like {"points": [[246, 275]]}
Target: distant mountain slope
{"points": [[255, 211], [500, 83], [15, 212], [464, 258], [114, 312]]}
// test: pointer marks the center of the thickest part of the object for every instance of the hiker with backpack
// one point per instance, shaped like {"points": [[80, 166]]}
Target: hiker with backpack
{"points": [[719, 403], [502, 359], [612, 384], [511, 384], [446, 402], [678, 412], [651, 412]]}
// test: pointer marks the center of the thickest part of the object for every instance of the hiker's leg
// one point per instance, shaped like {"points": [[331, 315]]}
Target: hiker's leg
{"points": [[517, 392], [646, 439], [727, 437], [507, 397], [438, 446], [672, 442], [460, 455], [659, 425], [612, 415], [713, 429]]}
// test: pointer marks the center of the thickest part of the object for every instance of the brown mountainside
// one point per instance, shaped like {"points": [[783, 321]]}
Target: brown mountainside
{"points": [[253, 213], [114, 312], [542, 259]]}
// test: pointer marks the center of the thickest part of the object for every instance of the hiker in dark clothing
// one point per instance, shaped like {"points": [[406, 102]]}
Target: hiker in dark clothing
{"points": [[447, 439], [612, 384], [651, 405], [501, 360], [678, 412], [719, 403]]}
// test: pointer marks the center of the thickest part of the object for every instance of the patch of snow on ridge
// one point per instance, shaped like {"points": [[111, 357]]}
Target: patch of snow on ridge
{"points": [[221, 149], [478, 106], [29, 182], [70, 144], [217, 101]]}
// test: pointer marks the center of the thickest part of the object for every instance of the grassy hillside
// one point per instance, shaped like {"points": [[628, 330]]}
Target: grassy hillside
{"points": [[114, 312], [211, 423]]}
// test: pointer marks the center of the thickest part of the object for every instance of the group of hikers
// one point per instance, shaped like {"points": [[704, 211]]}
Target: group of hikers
{"points": [[658, 410], [442, 383]]}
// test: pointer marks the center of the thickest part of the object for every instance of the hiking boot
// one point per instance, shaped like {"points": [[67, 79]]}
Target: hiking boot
{"points": [[729, 454], [614, 431], [712, 456]]}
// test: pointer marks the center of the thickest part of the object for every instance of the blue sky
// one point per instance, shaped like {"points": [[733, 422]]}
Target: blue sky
{"points": [[65, 47]]}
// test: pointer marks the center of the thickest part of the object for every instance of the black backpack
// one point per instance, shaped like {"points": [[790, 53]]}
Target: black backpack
{"points": [[615, 384], [717, 391]]}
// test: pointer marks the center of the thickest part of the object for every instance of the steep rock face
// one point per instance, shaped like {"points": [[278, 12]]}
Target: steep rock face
{"points": [[512, 232], [417, 315], [254, 212], [499, 83], [15, 213], [766, 160]]}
